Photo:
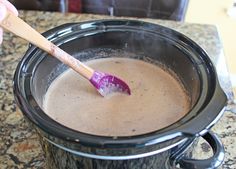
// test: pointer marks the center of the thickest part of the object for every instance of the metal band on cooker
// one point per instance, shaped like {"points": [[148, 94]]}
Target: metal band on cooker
{"points": [[126, 157]]}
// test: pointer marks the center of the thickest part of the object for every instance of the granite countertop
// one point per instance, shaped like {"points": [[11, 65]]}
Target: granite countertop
{"points": [[19, 144]]}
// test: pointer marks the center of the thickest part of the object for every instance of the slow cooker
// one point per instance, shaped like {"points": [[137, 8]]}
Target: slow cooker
{"points": [[169, 147]]}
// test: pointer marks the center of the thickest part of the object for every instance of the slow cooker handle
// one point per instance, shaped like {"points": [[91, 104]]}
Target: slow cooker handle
{"points": [[210, 163]]}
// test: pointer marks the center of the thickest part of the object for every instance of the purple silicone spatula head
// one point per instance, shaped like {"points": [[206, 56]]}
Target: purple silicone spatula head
{"points": [[107, 84]]}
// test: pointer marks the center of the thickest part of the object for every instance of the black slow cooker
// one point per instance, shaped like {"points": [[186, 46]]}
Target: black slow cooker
{"points": [[169, 147]]}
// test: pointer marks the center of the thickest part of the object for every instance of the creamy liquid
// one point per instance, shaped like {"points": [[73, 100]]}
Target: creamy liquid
{"points": [[156, 101]]}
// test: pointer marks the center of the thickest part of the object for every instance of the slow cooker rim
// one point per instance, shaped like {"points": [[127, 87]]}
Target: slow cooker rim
{"points": [[22, 102]]}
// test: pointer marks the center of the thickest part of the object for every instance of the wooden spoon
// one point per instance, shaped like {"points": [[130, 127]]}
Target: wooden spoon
{"points": [[103, 82]]}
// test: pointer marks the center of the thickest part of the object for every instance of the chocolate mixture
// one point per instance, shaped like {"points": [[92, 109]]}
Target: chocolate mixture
{"points": [[156, 101]]}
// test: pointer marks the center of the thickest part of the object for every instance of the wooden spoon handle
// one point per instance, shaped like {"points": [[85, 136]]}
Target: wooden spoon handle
{"points": [[20, 28]]}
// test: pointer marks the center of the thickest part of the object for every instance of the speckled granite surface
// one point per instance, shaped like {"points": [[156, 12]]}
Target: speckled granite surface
{"points": [[19, 144]]}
